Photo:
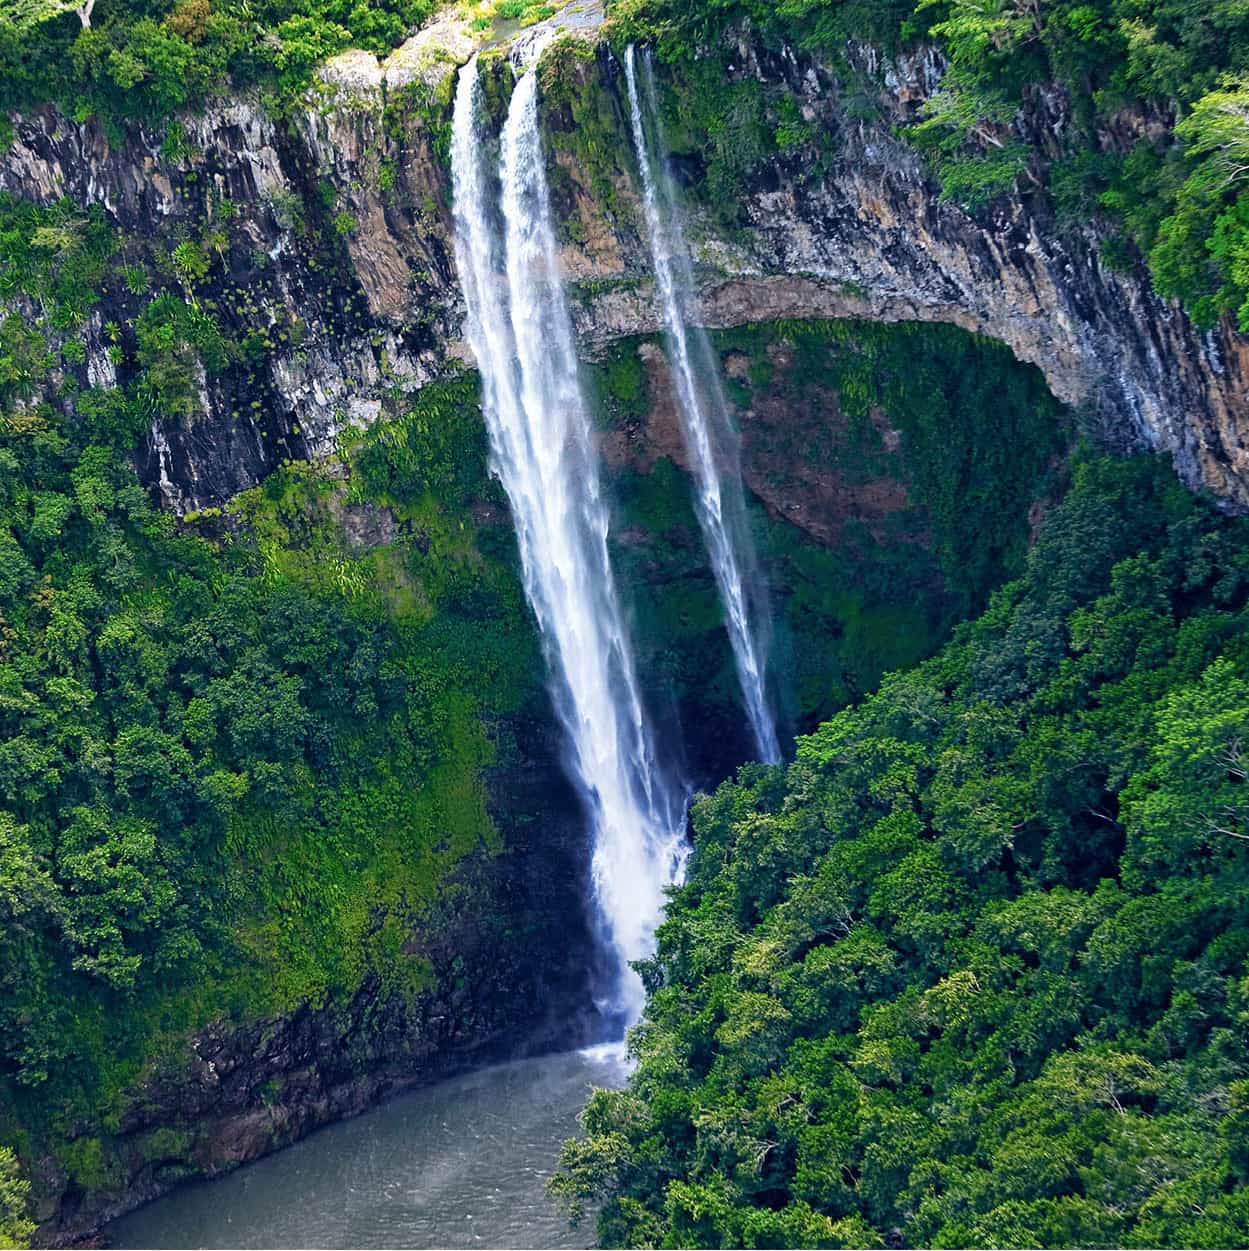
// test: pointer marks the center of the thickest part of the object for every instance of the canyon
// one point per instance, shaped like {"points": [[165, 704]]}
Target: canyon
{"points": [[335, 269]]}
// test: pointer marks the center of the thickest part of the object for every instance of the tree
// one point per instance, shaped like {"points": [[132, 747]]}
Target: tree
{"points": [[16, 1227], [976, 27], [967, 129], [1192, 806], [1216, 134], [27, 13]]}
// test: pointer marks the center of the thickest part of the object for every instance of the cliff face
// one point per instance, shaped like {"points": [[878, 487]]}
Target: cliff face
{"points": [[871, 238], [331, 269], [339, 256], [335, 317]]}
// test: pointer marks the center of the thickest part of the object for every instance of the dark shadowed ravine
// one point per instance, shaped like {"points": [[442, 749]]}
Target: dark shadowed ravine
{"points": [[460, 1164]]}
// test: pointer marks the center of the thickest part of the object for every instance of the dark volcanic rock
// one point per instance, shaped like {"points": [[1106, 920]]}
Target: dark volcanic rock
{"points": [[373, 312]]}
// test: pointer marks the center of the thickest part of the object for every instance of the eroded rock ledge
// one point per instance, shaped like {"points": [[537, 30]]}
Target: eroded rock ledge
{"points": [[379, 310], [874, 240]]}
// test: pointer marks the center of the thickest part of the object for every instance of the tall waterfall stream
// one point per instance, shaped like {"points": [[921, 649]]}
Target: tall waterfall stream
{"points": [[463, 1164], [710, 436], [543, 452]]}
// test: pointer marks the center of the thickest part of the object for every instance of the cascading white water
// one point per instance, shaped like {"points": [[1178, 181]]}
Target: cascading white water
{"points": [[710, 436], [544, 454]]}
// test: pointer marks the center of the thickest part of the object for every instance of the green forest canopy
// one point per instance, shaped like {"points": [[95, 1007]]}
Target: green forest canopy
{"points": [[974, 970]]}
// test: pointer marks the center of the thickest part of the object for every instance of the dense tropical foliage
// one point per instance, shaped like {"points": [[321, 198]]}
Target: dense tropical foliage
{"points": [[974, 970], [136, 58], [146, 58], [208, 752], [240, 758]]}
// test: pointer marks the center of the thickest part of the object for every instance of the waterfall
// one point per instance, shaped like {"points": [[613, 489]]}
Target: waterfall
{"points": [[710, 436], [543, 452]]}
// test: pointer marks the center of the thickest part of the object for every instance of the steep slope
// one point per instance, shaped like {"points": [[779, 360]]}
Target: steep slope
{"points": [[973, 970], [326, 232]]}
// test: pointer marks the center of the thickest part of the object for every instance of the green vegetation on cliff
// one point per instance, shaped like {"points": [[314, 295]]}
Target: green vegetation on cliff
{"points": [[15, 1226], [242, 759], [974, 970], [146, 58], [235, 770], [899, 466]]}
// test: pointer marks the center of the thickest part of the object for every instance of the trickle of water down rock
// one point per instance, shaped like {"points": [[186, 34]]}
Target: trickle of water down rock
{"points": [[710, 435], [543, 452]]}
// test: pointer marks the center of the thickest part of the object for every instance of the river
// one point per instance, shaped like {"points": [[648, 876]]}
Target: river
{"points": [[460, 1164]]}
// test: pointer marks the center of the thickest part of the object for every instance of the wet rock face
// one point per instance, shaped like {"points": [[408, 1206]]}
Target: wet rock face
{"points": [[342, 238], [325, 271], [814, 493], [872, 239]]}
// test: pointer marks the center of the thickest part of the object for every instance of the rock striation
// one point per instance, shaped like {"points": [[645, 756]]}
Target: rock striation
{"points": [[871, 238], [339, 251]]}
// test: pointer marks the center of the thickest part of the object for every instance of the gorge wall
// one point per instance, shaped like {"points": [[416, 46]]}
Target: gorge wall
{"points": [[335, 254], [326, 264], [238, 1091]]}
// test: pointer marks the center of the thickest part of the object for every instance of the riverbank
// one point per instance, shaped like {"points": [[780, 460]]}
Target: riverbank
{"points": [[462, 1163]]}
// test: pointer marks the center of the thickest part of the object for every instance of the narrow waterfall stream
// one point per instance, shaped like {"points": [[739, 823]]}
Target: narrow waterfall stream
{"points": [[710, 435], [544, 454]]}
